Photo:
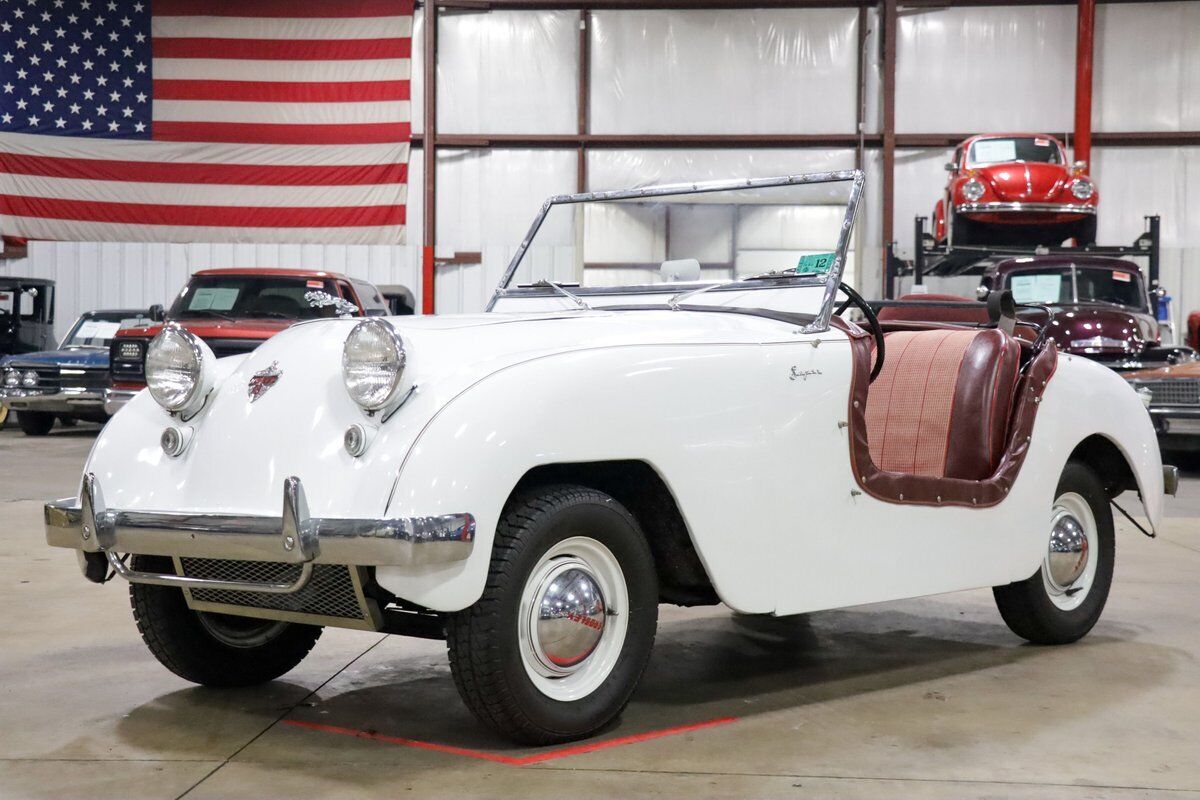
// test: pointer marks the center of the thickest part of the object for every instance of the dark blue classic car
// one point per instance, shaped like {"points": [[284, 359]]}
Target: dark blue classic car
{"points": [[66, 384]]}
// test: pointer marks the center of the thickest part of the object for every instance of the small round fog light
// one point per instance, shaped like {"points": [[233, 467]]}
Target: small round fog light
{"points": [[175, 440], [355, 440]]}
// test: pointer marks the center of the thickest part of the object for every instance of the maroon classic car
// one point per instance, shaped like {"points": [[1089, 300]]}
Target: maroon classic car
{"points": [[1097, 307], [1016, 189]]}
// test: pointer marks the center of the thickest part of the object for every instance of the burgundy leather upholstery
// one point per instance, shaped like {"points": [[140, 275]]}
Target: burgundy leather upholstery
{"points": [[933, 313], [941, 405]]}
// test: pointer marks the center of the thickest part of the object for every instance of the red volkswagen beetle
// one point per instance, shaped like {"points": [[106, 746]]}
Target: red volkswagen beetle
{"points": [[1015, 188]]}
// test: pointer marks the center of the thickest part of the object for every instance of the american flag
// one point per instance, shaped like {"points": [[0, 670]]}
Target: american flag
{"points": [[205, 120]]}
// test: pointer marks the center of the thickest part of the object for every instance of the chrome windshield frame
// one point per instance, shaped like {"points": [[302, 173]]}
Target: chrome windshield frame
{"points": [[856, 178]]}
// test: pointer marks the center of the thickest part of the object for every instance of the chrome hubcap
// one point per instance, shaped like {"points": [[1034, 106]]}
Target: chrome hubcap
{"points": [[1068, 552], [569, 617], [1072, 554]]}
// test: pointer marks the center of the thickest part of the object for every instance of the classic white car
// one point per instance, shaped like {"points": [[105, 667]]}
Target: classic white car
{"points": [[532, 482]]}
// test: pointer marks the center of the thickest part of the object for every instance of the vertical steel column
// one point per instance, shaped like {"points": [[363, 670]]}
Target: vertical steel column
{"points": [[888, 179], [919, 251], [429, 235], [583, 97], [1153, 267], [1084, 46]]}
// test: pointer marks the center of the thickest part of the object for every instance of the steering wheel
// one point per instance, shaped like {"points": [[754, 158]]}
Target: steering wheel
{"points": [[856, 299]]}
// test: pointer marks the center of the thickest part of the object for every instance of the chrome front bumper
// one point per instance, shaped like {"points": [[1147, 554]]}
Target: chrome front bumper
{"points": [[60, 401], [1028, 208], [115, 399], [293, 538]]}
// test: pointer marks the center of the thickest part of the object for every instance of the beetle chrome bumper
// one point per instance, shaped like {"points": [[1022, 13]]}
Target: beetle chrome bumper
{"points": [[1018, 207], [293, 538]]}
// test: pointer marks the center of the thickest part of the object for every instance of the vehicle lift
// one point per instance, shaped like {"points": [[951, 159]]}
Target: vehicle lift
{"points": [[930, 258]]}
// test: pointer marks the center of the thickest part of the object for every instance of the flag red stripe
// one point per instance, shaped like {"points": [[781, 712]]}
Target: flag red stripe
{"points": [[191, 173], [208, 216], [254, 133], [282, 8], [283, 49], [282, 92]]}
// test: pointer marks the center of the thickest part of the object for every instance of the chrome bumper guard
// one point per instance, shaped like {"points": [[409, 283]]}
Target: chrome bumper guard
{"points": [[1170, 480], [294, 538]]}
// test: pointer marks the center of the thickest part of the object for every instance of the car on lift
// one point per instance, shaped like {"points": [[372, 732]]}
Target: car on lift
{"points": [[1015, 189], [530, 483], [66, 384], [236, 310], [1096, 307]]}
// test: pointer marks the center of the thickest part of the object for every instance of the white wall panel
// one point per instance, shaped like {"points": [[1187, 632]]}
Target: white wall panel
{"points": [[508, 72], [977, 68], [1147, 67], [489, 197], [739, 71]]}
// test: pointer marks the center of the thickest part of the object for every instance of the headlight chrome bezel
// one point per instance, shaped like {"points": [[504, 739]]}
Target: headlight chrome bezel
{"points": [[399, 355], [1083, 189], [204, 371], [973, 190]]}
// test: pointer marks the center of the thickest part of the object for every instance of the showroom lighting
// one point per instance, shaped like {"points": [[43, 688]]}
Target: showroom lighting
{"points": [[179, 370], [373, 361]]}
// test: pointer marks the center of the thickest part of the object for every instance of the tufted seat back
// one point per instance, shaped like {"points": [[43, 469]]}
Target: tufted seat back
{"points": [[941, 404]]}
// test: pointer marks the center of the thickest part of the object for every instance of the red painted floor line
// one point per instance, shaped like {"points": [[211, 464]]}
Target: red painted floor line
{"points": [[513, 761]]}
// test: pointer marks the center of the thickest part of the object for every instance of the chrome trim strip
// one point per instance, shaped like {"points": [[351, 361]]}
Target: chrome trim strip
{"points": [[1179, 412], [293, 537], [994, 207]]}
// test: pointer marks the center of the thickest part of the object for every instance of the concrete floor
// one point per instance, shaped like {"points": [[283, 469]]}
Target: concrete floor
{"points": [[926, 698]]}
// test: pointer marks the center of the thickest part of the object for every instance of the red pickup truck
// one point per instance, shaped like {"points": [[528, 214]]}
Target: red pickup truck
{"points": [[234, 311]]}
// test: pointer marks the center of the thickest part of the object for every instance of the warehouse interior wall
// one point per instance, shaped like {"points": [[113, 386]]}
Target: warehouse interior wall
{"points": [[760, 71]]}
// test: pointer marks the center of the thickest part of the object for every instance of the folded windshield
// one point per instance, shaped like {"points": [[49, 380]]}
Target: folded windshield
{"points": [[781, 244]]}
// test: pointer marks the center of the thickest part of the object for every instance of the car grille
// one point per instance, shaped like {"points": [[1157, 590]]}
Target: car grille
{"points": [[332, 593], [1174, 393], [51, 379]]}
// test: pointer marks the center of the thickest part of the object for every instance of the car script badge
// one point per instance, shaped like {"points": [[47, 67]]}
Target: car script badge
{"points": [[263, 380]]}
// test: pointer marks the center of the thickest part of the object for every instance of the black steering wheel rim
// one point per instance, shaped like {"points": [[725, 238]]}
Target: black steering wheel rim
{"points": [[856, 299]]}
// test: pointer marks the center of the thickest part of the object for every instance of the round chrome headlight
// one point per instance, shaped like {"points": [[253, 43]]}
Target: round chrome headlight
{"points": [[1082, 188], [372, 364], [12, 379], [29, 380], [973, 190], [179, 370]]}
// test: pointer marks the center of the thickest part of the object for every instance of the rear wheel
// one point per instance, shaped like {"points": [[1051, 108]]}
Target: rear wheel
{"points": [[35, 423], [213, 649], [1063, 600], [554, 648]]}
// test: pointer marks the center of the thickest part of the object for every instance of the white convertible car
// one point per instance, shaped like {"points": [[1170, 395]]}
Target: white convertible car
{"points": [[663, 404]]}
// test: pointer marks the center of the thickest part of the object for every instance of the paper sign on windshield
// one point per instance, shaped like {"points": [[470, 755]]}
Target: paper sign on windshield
{"points": [[217, 299], [991, 151], [815, 263]]}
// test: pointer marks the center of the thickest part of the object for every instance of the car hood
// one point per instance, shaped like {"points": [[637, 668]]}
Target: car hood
{"points": [[1092, 330], [83, 357], [218, 329], [1025, 182]]}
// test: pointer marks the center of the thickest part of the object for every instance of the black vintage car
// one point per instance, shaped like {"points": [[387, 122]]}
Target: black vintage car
{"points": [[26, 315]]}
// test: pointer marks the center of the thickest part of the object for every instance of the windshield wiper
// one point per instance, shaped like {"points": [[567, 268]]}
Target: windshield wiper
{"points": [[275, 314], [574, 298], [209, 312], [676, 299]]}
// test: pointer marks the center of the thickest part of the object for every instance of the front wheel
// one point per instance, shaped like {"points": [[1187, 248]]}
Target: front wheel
{"points": [[35, 423], [555, 646], [1063, 600], [213, 649]]}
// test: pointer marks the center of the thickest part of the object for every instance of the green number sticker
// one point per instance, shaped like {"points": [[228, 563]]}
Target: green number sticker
{"points": [[815, 263]]}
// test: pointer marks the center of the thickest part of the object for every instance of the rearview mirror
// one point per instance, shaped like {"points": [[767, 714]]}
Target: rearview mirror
{"points": [[949, 166], [981, 292], [156, 313]]}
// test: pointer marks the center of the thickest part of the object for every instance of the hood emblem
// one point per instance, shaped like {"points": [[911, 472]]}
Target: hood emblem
{"points": [[263, 380]]}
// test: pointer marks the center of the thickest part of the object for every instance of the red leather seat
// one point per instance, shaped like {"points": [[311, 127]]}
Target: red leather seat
{"points": [[941, 404]]}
